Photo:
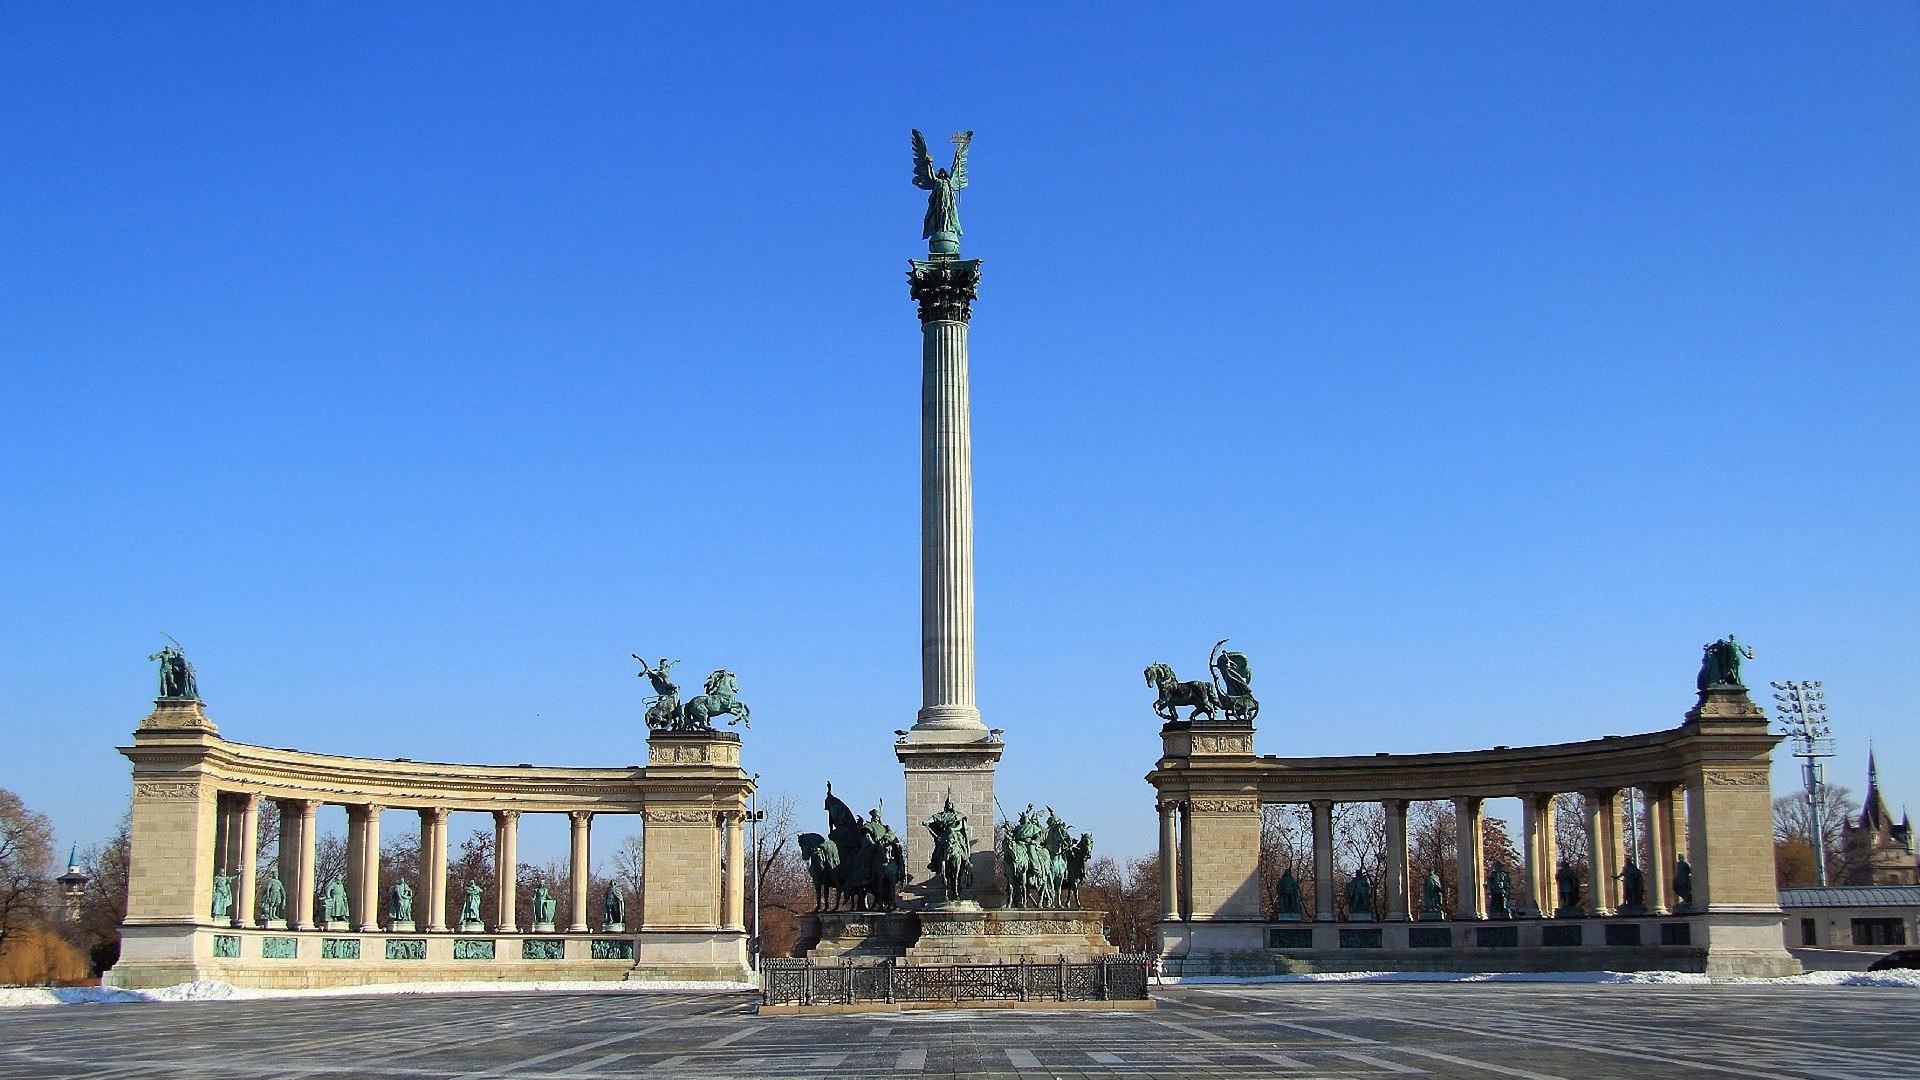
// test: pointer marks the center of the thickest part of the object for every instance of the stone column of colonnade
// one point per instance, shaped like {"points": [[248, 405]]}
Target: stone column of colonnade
{"points": [[1542, 852], [300, 890], [578, 868], [1186, 861], [433, 863], [244, 896], [1322, 860], [1667, 818], [1470, 901], [1396, 860], [1658, 852], [506, 865], [1169, 860], [735, 916]]}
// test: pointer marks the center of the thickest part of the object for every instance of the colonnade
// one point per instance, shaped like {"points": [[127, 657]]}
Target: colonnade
{"points": [[1535, 892], [236, 853]]}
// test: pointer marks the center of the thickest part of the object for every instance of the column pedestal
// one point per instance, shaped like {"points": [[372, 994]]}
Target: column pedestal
{"points": [[937, 766]]}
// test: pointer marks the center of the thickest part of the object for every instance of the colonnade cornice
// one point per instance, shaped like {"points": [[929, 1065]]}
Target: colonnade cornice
{"points": [[1650, 760], [285, 774]]}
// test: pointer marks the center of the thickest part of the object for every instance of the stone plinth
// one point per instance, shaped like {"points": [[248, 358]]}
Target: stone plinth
{"points": [[960, 936], [834, 934]]}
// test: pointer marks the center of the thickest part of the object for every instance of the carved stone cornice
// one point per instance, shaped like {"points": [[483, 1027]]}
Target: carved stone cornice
{"points": [[1739, 778], [945, 288], [678, 815], [165, 789], [1246, 805]]}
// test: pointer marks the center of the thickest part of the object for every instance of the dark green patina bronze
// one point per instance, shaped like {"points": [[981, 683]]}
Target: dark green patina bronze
{"points": [[858, 864], [1287, 896], [941, 227], [400, 902], [1044, 862], [177, 681], [952, 849], [1231, 690], [1720, 664], [273, 898], [666, 712]]}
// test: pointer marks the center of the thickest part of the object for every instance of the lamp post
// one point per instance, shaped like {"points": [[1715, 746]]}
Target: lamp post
{"points": [[754, 815], [1803, 710]]}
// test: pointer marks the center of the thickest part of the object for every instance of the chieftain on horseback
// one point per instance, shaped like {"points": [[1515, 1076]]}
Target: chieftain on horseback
{"points": [[1044, 863], [858, 864], [1230, 692]]}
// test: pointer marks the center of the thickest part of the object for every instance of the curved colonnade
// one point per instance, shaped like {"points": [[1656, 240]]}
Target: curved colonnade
{"points": [[1706, 789], [196, 806]]}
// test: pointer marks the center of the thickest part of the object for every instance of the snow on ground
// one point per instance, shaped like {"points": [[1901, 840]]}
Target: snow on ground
{"points": [[1909, 979]]}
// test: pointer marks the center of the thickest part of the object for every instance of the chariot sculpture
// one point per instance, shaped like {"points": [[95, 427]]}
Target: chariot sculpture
{"points": [[1230, 692], [666, 712]]}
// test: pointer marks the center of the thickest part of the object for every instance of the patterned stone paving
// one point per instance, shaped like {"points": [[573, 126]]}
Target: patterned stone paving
{"points": [[1538, 1031]]}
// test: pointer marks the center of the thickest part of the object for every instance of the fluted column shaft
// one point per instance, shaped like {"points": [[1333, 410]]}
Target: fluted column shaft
{"points": [[243, 914], [1470, 901], [433, 861], [1169, 861], [303, 867], [1396, 810], [1323, 861], [1658, 848], [946, 529], [506, 866], [736, 913], [1599, 851], [577, 867], [367, 874]]}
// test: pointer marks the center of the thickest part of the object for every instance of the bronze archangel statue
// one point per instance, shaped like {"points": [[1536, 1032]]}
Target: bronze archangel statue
{"points": [[941, 229]]}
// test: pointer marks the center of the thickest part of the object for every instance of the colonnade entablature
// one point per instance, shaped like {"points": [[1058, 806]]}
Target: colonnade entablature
{"points": [[196, 882], [1708, 848]]}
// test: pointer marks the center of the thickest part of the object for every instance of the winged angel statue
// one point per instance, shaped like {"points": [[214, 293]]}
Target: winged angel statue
{"points": [[942, 227]]}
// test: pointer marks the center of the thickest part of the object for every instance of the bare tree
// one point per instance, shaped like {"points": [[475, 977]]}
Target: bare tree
{"points": [[26, 858], [1793, 835], [1286, 843], [1129, 901], [629, 874]]}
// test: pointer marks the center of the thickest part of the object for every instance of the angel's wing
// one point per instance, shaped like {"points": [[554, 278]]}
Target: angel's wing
{"points": [[958, 174], [922, 161]]}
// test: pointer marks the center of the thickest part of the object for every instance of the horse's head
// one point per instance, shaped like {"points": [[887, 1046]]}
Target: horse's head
{"points": [[1158, 673], [721, 682]]}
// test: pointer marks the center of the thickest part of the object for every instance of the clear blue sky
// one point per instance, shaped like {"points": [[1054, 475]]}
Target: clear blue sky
{"points": [[1468, 370]]}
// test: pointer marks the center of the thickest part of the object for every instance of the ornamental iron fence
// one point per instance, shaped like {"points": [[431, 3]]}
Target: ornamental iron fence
{"points": [[805, 982]]}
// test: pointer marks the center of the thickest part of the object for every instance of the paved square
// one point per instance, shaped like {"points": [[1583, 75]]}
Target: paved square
{"points": [[1448, 1030]]}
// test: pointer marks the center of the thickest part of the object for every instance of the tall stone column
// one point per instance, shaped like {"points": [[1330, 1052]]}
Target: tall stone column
{"points": [[1659, 848], [303, 889], [1599, 867], [578, 868], [1323, 861], [1186, 859], [736, 910], [367, 874], [243, 901], [506, 866], [289, 857], [948, 753], [1396, 810], [351, 878], [1470, 901], [1169, 862], [433, 862]]}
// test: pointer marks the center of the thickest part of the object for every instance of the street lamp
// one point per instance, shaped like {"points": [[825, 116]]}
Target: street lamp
{"points": [[1803, 710], [754, 817]]}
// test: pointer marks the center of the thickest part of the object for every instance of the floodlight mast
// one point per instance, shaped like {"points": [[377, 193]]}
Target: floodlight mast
{"points": [[1803, 710]]}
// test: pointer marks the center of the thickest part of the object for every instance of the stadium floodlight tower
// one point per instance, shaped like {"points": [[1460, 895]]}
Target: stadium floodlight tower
{"points": [[1803, 710]]}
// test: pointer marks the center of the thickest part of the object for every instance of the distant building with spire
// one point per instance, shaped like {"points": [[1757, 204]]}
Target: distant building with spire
{"points": [[1879, 851], [73, 886]]}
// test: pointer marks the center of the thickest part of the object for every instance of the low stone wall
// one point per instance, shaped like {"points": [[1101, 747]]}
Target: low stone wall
{"points": [[1652, 943], [312, 959]]}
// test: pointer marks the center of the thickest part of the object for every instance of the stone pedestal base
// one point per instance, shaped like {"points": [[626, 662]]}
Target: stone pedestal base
{"points": [[404, 927], [833, 934], [614, 928], [274, 924], [1433, 916], [712, 955], [473, 928], [1360, 918], [543, 928], [1291, 916], [958, 936]]}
